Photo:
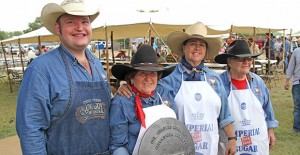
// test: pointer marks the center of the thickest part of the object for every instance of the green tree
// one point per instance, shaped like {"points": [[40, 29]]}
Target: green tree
{"points": [[34, 25]]}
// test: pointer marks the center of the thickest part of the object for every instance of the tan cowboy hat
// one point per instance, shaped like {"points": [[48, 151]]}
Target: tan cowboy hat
{"points": [[52, 11], [198, 30]]}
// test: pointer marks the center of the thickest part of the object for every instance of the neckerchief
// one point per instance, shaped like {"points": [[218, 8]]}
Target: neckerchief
{"points": [[138, 104], [195, 75]]}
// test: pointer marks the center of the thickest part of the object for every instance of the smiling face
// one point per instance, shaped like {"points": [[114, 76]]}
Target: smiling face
{"points": [[145, 81], [239, 67], [75, 31], [195, 51]]}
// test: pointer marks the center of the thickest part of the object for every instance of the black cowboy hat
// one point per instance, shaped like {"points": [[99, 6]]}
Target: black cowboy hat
{"points": [[143, 60], [238, 48]]}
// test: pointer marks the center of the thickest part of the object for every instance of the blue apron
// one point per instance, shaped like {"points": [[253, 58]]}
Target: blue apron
{"points": [[83, 127]]}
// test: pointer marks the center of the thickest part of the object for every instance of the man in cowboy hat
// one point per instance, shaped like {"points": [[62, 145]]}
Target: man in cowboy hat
{"points": [[128, 122], [249, 102], [197, 91], [64, 98]]}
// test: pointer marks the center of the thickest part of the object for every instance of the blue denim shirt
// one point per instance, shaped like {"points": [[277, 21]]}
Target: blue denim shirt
{"points": [[124, 124], [45, 93], [170, 85], [261, 91]]}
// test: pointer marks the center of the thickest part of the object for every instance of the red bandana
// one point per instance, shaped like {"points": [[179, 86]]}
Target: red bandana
{"points": [[139, 108]]}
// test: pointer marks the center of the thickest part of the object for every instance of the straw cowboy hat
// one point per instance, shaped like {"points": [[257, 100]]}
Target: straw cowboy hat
{"points": [[52, 11], [198, 30], [143, 60], [238, 48]]}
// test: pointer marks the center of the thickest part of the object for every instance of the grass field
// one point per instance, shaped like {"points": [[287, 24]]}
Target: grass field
{"points": [[288, 143]]}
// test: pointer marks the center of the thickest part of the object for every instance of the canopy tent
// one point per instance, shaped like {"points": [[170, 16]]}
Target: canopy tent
{"points": [[249, 30], [32, 37], [134, 30]]}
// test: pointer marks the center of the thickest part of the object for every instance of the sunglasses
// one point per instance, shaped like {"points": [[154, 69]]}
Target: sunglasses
{"points": [[242, 59]]}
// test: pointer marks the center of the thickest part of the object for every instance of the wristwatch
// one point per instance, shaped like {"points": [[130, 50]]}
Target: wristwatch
{"points": [[232, 138]]}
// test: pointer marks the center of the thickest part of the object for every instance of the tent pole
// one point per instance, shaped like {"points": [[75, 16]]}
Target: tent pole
{"points": [[40, 45], [107, 55], [21, 55], [254, 46], [6, 65], [112, 45]]}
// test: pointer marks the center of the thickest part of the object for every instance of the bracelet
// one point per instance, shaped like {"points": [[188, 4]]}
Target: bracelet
{"points": [[232, 138]]}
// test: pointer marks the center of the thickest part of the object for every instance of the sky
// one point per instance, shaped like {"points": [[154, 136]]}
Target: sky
{"points": [[16, 14]]}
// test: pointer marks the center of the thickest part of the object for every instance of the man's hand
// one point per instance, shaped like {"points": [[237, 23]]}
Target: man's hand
{"points": [[286, 85], [125, 90]]}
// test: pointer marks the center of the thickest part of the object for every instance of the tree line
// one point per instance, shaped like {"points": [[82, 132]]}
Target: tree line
{"points": [[31, 27]]}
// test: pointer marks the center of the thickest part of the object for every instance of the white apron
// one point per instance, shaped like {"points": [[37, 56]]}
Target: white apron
{"points": [[250, 125], [199, 108], [153, 114]]}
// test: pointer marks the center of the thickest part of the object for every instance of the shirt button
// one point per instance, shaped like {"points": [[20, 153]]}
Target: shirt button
{"points": [[84, 70], [74, 63]]}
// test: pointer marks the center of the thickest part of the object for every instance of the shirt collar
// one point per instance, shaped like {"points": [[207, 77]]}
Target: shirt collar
{"points": [[88, 54]]}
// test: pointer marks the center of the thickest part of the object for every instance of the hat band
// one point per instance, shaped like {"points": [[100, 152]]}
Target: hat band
{"points": [[197, 35], [145, 64]]}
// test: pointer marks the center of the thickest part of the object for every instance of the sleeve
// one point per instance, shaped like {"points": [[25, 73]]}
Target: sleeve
{"points": [[225, 117], [268, 108], [292, 65], [33, 115], [118, 128]]}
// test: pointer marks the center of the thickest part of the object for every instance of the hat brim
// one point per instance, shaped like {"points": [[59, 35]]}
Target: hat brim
{"points": [[119, 71], [52, 11], [222, 58], [175, 41]]}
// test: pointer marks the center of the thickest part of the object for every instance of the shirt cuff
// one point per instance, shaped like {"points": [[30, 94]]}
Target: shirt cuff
{"points": [[121, 151]]}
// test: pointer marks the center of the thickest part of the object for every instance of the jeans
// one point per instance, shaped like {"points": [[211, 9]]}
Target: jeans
{"points": [[296, 98]]}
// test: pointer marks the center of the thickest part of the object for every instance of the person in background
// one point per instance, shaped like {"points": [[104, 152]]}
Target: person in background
{"points": [[266, 47], [64, 98], [127, 117], [293, 71], [197, 91], [133, 48], [252, 46], [44, 49], [121, 54], [286, 52], [31, 55], [249, 102]]}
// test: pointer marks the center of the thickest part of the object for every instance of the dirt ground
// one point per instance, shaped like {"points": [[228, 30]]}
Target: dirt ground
{"points": [[10, 146]]}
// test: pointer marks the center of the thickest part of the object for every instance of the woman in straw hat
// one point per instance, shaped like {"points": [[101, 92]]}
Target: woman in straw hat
{"points": [[128, 121], [249, 102], [64, 98], [197, 91]]}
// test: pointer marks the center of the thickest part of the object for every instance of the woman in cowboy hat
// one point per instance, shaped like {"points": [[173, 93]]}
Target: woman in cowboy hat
{"points": [[127, 114], [249, 102], [196, 90], [64, 98]]}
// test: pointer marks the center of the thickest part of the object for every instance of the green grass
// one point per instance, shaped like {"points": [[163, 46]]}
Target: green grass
{"points": [[287, 142], [8, 110]]}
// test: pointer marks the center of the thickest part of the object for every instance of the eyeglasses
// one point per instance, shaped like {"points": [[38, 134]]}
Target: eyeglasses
{"points": [[242, 59]]}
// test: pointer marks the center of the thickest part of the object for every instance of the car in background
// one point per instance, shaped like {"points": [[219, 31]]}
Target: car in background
{"points": [[13, 50]]}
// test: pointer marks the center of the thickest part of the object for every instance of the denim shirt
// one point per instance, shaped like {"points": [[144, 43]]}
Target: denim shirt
{"points": [[260, 90], [170, 85], [124, 124], [45, 93]]}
